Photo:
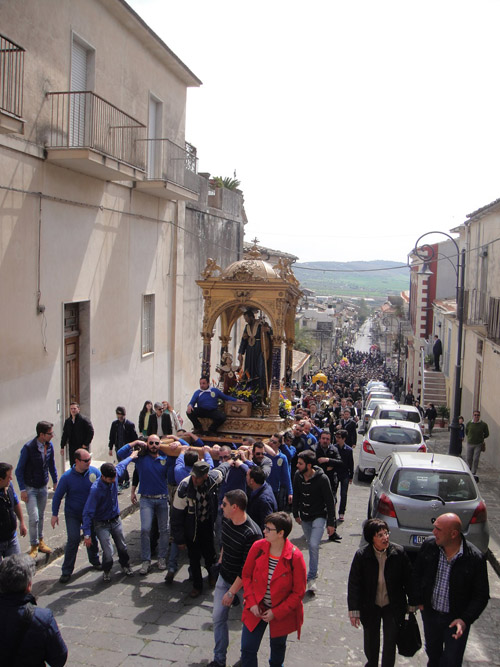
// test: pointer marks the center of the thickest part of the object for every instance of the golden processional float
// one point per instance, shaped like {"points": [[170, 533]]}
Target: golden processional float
{"points": [[251, 285]]}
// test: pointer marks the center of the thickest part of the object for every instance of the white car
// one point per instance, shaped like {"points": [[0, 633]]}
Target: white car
{"points": [[370, 407], [385, 437]]}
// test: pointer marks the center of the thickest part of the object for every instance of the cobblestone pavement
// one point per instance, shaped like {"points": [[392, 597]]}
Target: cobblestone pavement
{"points": [[140, 621]]}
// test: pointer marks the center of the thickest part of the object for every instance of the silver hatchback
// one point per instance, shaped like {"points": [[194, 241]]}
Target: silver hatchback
{"points": [[411, 490]]}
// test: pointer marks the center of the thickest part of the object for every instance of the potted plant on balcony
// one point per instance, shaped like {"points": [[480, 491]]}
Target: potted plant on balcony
{"points": [[443, 414]]}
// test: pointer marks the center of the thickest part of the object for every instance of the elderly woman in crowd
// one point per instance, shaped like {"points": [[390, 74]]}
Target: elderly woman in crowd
{"points": [[378, 590], [274, 582]]}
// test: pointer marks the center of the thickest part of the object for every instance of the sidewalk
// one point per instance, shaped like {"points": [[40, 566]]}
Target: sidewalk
{"points": [[489, 487]]}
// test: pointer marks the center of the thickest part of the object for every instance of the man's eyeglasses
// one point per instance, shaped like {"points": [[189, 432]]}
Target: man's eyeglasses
{"points": [[86, 460], [268, 529]]}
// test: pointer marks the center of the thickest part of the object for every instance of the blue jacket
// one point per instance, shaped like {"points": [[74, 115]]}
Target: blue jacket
{"points": [[152, 472], [42, 642], [260, 504], [76, 487], [236, 478], [102, 503], [208, 399], [280, 474], [32, 469], [182, 470]]}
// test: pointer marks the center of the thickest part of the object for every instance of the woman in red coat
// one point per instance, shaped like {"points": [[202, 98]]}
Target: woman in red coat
{"points": [[274, 582]]}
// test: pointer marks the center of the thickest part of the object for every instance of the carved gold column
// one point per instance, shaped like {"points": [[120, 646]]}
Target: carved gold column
{"points": [[289, 365], [275, 376], [224, 342], [205, 361]]}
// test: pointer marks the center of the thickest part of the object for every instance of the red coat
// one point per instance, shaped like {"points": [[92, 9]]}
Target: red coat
{"points": [[288, 587]]}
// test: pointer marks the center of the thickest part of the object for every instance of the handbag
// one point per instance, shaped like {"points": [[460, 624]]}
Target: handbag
{"points": [[409, 640]]}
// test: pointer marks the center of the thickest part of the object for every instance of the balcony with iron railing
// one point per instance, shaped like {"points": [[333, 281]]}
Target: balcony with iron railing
{"points": [[11, 86], [92, 136], [171, 171]]}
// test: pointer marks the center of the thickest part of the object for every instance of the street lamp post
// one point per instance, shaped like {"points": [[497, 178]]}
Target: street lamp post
{"points": [[455, 442]]}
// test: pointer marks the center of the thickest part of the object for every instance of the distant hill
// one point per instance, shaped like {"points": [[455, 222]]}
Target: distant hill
{"points": [[376, 278]]}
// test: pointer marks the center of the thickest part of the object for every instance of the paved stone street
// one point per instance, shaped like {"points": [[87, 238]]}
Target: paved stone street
{"points": [[134, 621]]}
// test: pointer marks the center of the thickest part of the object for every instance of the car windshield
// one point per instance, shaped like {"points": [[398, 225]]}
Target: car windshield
{"points": [[395, 435], [449, 486], [402, 415]]}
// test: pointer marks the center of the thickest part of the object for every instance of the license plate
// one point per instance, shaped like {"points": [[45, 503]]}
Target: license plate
{"points": [[418, 539]]}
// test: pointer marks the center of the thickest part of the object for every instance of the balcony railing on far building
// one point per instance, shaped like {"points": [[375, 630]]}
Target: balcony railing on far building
{"points": [[89, 134], [11, 86], [171, 170]]}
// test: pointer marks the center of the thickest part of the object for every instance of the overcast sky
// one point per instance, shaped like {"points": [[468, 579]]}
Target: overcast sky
{"points": [[354, 126]]}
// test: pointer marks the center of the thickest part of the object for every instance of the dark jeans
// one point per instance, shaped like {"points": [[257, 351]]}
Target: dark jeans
{"points": [[217, 417], [73, 529], [436, 362], [250, 644], [371, 636], [442, 650], [202, 546], [344, 488]]}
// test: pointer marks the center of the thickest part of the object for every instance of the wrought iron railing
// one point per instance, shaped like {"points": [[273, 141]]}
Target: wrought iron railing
{"points": [[86, 120], [11, 77], [167, 161]]}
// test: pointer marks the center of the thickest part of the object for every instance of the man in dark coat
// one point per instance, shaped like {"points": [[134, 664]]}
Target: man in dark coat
{"points": [[30, 636], [122, 432], [437, 351], [159, 422], [451, 587], [77, 432]]}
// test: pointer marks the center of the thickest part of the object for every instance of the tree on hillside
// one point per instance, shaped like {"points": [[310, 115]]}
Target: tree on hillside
{"points": [[304, 340]]}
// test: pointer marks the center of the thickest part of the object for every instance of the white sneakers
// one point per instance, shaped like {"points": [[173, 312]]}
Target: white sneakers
{"points": [[145, 567], [311, 586]]}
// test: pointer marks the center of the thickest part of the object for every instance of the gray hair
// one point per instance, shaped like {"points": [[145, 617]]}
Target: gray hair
{"points": [[16, 573]]}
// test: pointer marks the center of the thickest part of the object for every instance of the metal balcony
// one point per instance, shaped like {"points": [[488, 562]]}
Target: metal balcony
{"points": [[92, 136], [11, 86], [171, 171]]}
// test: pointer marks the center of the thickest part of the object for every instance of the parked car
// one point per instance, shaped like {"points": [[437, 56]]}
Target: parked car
{"points": [[369, 408], [375, 384], [383, 438], [406, 413], [379, 393], [411, 490]]}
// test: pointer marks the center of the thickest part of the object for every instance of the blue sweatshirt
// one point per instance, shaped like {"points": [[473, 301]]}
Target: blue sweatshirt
{"points": [[102, 503], [280, 474], [76, 487], [152, 472], [207, 399]]}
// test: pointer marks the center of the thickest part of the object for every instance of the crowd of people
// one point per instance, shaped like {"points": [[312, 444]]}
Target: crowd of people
{"points": [[231, 508]]}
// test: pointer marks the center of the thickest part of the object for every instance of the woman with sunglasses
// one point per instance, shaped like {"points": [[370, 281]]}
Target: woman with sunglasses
{"points": [[274, 582], [378, 591]]}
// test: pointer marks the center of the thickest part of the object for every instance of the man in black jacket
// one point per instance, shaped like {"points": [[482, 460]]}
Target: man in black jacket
{"points": [[313, 508], [193, 518], [77, 432], [122, 432], [159, 422], [451, 587]]}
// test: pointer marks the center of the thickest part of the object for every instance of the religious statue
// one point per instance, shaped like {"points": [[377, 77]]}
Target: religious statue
{"points": [[256, 347], [227, 372]]}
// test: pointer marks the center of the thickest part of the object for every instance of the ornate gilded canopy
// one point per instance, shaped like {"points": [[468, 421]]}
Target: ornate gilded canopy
{"points": [[251, 283]]}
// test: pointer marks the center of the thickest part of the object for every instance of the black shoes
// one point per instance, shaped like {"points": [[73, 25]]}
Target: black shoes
{"points": [[64, 578], [335, 538]]}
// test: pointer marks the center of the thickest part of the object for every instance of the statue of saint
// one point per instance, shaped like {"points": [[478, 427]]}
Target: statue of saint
{"points": [[227, 372], [256, 347]]}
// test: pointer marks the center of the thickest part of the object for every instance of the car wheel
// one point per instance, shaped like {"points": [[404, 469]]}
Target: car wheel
{"points": [[361, 476]]}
